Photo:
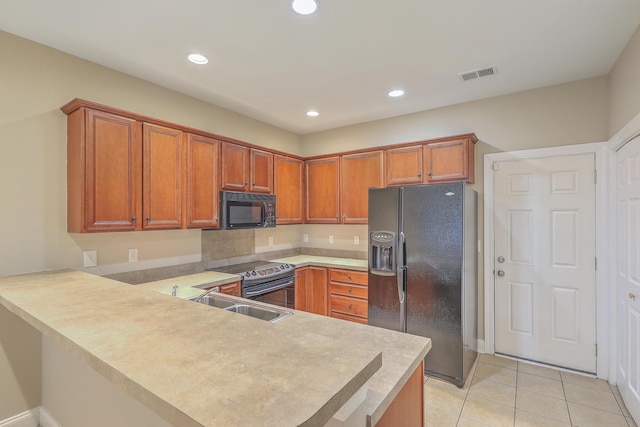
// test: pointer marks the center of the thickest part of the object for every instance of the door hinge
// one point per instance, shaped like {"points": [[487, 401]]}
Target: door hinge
{"points": [[496, 166], [595, 176], [596, 350], [596, 263]]}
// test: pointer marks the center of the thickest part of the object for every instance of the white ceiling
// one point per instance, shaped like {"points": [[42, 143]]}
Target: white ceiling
{"points": [[271, 64]]}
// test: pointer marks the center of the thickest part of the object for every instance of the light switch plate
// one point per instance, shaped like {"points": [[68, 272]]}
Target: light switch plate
{"points": [[330, 239], [133, 255], [356, 240], [270, 240], [90, 259], [305, 237]]}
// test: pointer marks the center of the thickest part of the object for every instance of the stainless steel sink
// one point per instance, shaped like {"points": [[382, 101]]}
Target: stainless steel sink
{"points": [[270, 314], [215, 301]]}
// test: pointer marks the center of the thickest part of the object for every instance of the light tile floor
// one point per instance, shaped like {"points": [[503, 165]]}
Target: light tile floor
{"points": [[504, 392]]}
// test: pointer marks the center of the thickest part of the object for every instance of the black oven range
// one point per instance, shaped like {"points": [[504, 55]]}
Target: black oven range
{"points": [[265, 281]]}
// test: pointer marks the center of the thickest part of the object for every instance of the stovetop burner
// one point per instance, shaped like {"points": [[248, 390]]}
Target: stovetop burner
{"points": [[257, 271]]}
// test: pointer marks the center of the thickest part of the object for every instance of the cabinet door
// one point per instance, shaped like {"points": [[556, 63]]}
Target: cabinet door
{"points": [[261, 171], [231, 289], [163, 165], [449, 161], [404, 165], [235, 167], [203, 182], [323, 191], [288, 190], [104, 174], [359, 172], [301, 288], [317, 290]]}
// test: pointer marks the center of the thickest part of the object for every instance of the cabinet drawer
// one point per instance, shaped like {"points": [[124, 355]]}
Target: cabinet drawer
{"points": [[346, 305], [349, 276], [350, 318], [348, 290]]}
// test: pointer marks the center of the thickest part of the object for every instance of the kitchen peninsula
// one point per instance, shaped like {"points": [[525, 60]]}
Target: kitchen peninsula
{"points": [[199, 366]]}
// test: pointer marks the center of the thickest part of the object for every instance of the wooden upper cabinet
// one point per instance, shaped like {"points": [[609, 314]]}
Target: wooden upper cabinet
{"points": [[104, 180], [261, 171], [288, 180], [163, 165], [323, 191], [235, 167], [404, 165], [203, 182], [449, 161], [359, 173]]}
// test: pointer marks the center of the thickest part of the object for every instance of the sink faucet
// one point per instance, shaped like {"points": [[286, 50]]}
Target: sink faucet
{"points": [[174, 291], [205, 293]]}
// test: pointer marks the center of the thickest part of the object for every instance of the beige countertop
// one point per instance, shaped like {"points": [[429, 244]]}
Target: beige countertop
{"points": [[322, 261], [298, 371], [187, 284]]}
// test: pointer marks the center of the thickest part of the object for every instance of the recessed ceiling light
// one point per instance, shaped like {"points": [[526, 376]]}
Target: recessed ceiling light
{"points": [[304, 7], [313, 113], [197, 58], [396, 93]]}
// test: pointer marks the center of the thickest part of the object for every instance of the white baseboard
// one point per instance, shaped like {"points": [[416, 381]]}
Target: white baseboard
{"points": [[46, 419], [26, 419], [37, 417]]}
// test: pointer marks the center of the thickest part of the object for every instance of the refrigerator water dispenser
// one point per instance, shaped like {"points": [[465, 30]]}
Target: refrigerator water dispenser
{"points": [[382, 250]]}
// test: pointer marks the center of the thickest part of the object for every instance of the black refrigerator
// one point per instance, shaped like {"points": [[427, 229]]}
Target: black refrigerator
{"points": [[423, 270]]}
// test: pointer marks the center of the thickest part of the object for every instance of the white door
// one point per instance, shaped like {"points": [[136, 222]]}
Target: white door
{"points": [[545, 260], [628, 196]]}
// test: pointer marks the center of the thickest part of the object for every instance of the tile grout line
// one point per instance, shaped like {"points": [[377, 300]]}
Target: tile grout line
{"points": [[566, 400]]}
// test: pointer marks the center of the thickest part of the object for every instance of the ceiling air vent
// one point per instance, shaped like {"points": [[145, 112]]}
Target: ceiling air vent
{"points": [[480, 72]]}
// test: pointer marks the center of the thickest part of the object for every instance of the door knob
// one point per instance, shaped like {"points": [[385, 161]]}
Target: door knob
{"points": [[632, 296], [500, 273], [500, 259]]}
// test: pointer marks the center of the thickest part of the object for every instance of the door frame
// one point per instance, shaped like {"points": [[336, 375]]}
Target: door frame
{"points": [[605, 312]]}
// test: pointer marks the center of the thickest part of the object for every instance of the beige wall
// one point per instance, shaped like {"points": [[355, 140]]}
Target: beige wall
{"points": [[35, 81], [572, 113], [624, 86], [20, 373]]}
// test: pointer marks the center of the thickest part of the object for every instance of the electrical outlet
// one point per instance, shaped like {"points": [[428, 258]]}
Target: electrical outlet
{"points": [[270, 240], [356, 240], [133, 255], [90, 259], [330, 239], [305, 237]]}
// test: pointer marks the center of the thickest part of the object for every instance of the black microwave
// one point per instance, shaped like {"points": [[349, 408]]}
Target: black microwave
{"points": [[247, 210]]}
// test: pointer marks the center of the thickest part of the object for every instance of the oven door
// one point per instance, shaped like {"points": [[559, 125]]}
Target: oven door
{"points": [[280, 292]]}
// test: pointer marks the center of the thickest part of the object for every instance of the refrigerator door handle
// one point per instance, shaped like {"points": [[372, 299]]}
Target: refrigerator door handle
{"points": [[401, 268]]}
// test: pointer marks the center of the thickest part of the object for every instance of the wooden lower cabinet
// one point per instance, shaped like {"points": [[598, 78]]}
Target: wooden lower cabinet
{"points": [[311, 290], [407, 409], [348, 295], [231, 289]]}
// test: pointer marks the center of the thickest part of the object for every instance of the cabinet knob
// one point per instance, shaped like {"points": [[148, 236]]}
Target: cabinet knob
{"points": [[134, 219], [349, 290], [419, 175], [429, 174], [349, 306], [349, 276], [148, 218], [246, 183]]}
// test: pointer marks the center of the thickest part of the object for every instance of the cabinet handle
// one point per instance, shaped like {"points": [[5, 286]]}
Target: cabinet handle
{"points": [[349, 306], [349, 290], [632, 296], [134, 219], [148, 218]]}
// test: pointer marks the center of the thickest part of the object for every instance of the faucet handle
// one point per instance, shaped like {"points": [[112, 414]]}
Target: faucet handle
{"points": [[174, 291]]}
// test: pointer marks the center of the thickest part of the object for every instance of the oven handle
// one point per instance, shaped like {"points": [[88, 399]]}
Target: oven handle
{"points": [[265, 290]]}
